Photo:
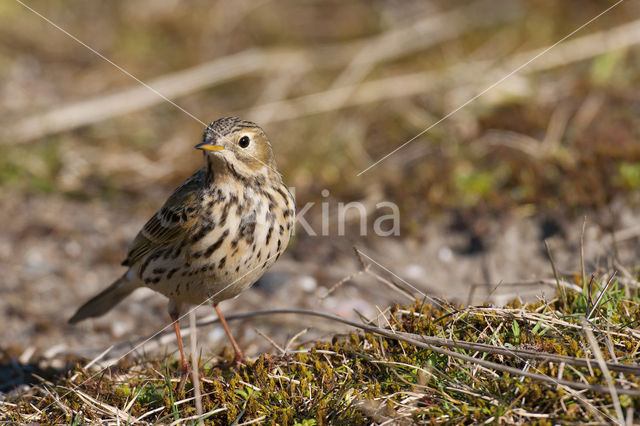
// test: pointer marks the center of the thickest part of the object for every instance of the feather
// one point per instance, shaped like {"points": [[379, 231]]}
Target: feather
{"points": [[174, 220]]}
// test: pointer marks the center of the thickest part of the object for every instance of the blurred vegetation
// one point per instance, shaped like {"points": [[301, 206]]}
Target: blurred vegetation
{"points": [[566, 141]]}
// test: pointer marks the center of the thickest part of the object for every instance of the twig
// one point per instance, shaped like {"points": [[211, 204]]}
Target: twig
{"points": [[394, 286], [364, 264], [294, 338], [59, 403], [93, 361], [340, 283], [404, 290], [270, 340]]}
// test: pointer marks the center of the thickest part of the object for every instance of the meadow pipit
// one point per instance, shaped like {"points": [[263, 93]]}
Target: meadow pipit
{"points": [[216, 234]]}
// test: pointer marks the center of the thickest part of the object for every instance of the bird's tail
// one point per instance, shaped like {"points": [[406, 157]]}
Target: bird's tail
{"points": [[107, 299]]}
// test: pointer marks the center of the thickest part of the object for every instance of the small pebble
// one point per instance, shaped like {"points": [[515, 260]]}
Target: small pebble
{"points": [[307, 283], [120, 328], [445, 254], [414, 272]]}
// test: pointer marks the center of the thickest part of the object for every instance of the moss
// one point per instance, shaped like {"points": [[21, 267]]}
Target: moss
{"points": [[364, 378]]}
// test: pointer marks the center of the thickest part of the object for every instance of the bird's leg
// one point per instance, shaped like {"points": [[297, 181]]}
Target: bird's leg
{"points": [[184, 365], [239, 357]]}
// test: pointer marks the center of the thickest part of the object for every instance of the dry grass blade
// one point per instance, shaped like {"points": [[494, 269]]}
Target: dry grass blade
{"points": [[93, 361], [605, 371], [271, 341], [560, 288], [195, 359], [601, 295], [582, 270], [471, 346], [198, 417], [118, 414]]}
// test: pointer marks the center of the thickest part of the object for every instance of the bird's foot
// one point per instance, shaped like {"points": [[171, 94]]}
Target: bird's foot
{"points": [[185, 374], [238, 359]]}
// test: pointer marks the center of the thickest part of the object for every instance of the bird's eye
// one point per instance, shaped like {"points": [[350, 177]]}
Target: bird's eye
{"points": [[244, 141]]}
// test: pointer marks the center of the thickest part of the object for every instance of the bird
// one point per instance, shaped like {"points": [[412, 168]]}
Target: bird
{"points": [[216, 235]]}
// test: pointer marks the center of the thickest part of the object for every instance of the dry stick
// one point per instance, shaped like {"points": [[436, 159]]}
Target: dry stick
{"points": [[523, 353], [93, 361], [590, 291], [340, 283], [294, 338], [393, 286], [563, 295], [366, 269], [588, 405], [195, 375], [490, 87], [605, 371]]}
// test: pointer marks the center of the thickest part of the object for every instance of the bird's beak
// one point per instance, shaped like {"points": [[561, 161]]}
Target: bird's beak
{"points": [[207, 146]]}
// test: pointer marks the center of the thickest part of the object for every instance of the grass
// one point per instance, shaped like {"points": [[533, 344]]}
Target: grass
{"points": [[429, 363]]}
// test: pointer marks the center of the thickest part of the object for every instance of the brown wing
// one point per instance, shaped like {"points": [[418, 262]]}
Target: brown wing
{"points": [[173, 220]]}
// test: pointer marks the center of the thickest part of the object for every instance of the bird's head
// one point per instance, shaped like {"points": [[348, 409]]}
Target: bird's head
{"points": [[240, 143]]}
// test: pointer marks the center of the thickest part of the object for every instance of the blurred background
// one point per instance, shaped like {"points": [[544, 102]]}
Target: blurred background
{"points": [[87, 154]]}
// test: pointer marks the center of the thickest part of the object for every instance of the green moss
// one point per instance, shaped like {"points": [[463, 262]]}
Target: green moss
{"points": [[364, 378]]}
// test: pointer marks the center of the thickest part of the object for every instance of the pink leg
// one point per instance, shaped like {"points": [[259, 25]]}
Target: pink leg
{"points": [[239, 357]]}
